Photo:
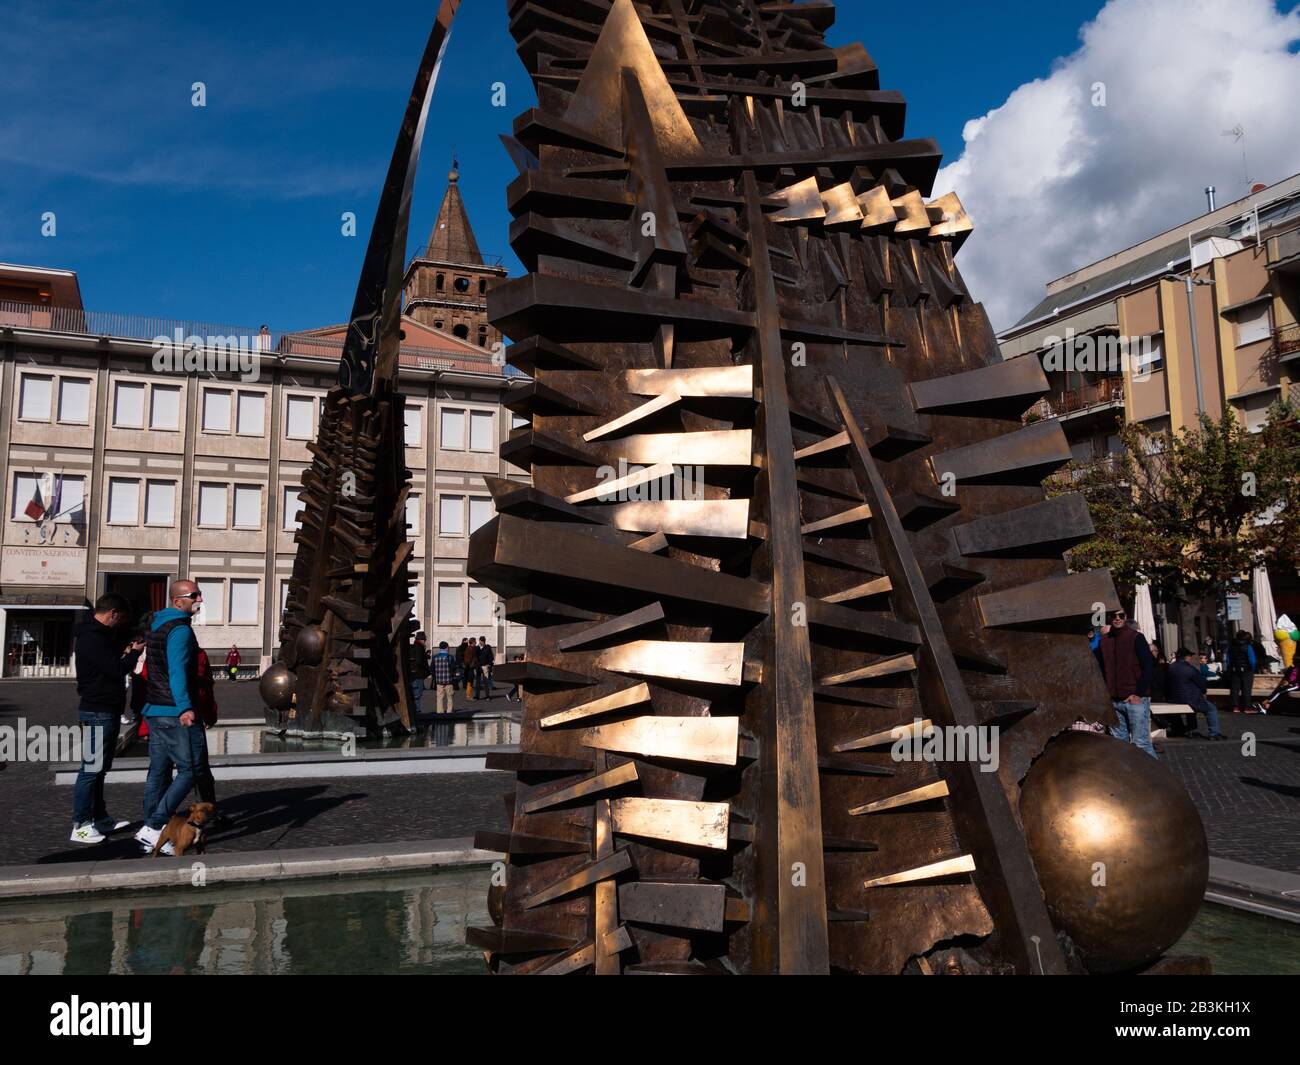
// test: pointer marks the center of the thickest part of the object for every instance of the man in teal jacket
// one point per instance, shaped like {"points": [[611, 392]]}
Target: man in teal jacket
{"points": [[171, 659]]}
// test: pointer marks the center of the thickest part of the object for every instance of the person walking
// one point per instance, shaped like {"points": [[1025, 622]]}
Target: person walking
{"points": [[1241, 672], [1289, 683], [171, 657], [469, 661], [443, 668], [486, 659], [232, 663], [1187, 685], [419, 663], [104, 660], [1127, 665]]}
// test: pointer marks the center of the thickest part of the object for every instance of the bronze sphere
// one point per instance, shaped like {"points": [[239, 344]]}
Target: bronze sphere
{"points": [[311, 645], [276, 686], [1120, 850]]}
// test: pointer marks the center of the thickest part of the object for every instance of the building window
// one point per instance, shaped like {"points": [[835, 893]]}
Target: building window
{"points": [[210, 606], [284, 596], [482, 287], [480, 512], [34, 393], [72, 500], [1149, 353], [1254, 410], [461, 331], [451, 516], [160, 503], [437, 323], [451, 604], [480, 605], [128, 405], [482, 431], [216, 410], [123, 501], [1254, 323], [74, 400], [440, 281], [292, 508], [462, 284], [243, 601], [413, 515], [298, 418], [251, 414], [212, 506], [413, 421], [165, 407], [248, 506], [452, 435], [482, 336]]}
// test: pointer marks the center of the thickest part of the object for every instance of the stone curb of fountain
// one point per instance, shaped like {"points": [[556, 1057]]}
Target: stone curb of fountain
{"points": [[1255, 889], [43, 881]]}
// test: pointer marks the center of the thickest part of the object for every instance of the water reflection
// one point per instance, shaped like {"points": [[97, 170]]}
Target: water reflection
{"points": [[483, 730], [413, 923]]}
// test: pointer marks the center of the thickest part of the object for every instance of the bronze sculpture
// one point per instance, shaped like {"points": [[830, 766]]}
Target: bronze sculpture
{"points": [[785, 522], [348, 616], [736, 282]]}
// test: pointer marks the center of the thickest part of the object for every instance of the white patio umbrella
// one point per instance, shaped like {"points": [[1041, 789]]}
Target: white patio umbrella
{"points": [[1144, 616], [1261, 594]]}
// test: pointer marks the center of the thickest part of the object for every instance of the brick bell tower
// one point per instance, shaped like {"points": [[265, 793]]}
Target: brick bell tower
{"points": [[446, 285]]}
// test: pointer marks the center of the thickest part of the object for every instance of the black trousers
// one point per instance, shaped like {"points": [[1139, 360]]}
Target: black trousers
{"points": [[1242, 686]]}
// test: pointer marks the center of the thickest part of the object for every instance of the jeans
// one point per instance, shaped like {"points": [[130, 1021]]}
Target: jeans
{"points": [[1134, 724], [98, 744], [482, 680], [170, 747], [1211, 715], [446, 697], [204, 783], [417, 691]]}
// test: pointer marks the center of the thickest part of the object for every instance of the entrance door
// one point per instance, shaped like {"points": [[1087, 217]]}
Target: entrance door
{"points": [[146, 591]]}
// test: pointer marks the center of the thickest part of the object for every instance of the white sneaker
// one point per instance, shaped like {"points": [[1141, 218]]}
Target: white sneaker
{"points": [[109, 824], [147, 837], [167, 849], [86, 833]]}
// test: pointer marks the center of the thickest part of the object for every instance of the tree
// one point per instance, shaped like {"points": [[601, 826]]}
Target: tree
{"points": [[1190, 512]]}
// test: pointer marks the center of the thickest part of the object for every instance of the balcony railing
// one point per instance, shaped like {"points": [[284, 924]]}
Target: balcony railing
{"points": [[1286, 341], [1109, 465], [122, 326], [1056, 404], [75, 320]]}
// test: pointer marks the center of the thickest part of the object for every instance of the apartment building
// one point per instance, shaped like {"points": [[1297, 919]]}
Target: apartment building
{"points": [[1233, 344], [162, 473]]}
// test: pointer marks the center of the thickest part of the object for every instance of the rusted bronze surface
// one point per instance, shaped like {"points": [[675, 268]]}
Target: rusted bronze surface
{"points": [[782, 507]]}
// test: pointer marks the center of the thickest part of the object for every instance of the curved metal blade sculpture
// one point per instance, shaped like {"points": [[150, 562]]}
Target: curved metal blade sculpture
{"points": [[785, 521], [347, 620]]}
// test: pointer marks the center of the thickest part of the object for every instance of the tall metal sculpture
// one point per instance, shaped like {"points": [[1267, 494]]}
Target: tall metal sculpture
{"points": [[737, 284], [348, 618]]}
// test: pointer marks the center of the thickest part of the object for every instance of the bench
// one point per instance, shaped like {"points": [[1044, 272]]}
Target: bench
{"points": [[1171, 708]]}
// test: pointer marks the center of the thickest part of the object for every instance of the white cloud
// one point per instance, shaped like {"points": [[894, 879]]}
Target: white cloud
{"points": [[1054, 183]]}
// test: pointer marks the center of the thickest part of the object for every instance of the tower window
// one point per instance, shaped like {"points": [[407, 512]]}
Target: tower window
{"points": [[437, 323], [461, 331], [439, 282], [482, 286], [462, 284], [482, 336]]}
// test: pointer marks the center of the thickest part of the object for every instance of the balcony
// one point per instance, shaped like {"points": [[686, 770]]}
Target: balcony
{"points": [[1105, 392], [1109, 468], [1286, 343]]}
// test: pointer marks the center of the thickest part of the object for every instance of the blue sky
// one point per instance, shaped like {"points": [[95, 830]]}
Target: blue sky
{"points": [[230, 213]]}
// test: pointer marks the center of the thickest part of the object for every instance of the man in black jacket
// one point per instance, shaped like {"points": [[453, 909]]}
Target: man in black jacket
{"points": [[104, 661], [1186, 684]]}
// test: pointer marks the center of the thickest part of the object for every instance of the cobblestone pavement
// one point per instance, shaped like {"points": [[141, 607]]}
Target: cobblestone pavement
{"points": [[1250, 803]]}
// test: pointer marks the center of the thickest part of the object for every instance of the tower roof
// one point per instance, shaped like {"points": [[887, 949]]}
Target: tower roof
{"points": [[452, 238]]}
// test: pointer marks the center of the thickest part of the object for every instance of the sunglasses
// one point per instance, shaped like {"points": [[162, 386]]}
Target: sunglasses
{"points": [[1119, 617], [190, 595]]}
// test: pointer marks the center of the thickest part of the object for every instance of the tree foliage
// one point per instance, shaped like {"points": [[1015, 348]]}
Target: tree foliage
{"points": [[1188, 512]]}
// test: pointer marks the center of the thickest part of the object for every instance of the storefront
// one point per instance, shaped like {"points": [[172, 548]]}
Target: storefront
{"points": [[38, 640]]}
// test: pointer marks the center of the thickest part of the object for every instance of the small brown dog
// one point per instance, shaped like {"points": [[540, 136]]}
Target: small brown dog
{"points": [[186, 833]]}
